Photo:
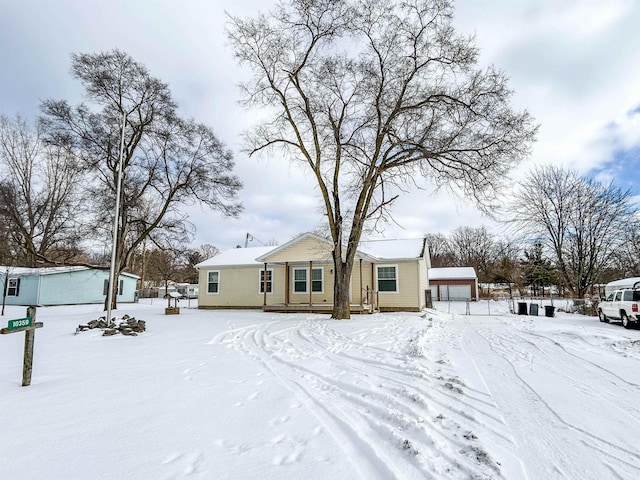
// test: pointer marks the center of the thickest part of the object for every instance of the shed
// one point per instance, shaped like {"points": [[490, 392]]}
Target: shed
{"points": [[453, 283], [63, 285]]}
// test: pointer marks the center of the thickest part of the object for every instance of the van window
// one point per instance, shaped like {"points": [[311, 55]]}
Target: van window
{"points": [[618, 296], [610, 297]]}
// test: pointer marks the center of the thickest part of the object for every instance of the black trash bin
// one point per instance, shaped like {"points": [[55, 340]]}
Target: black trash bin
{"points": [[522, 308], [533, 309], [548, 310]]}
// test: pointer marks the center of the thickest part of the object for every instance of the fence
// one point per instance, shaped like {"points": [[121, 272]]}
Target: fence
{"points": [[514, 305]]}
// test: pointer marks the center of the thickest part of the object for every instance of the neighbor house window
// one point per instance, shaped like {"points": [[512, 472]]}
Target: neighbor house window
{"points": [[300, 280], [269, 281], [13, 288], [316, 280], [213, 282], [388, 279], [105, 287]]}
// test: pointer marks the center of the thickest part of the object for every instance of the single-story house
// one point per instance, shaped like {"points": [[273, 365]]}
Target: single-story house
{"points": [[453, 283], [63, 286], [388, 275]]}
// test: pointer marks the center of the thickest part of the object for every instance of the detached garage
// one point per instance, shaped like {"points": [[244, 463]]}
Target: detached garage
{"points": [[453, 283]]}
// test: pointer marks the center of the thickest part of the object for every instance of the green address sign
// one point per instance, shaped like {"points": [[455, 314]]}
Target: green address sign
{"points": [[20, 323]]}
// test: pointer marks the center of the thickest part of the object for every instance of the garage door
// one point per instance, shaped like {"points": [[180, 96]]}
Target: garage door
{"points": [[434, 292], [459, 292]]}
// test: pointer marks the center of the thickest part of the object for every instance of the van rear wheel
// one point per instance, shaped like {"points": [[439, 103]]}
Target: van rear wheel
{"points": [[625, 320]]}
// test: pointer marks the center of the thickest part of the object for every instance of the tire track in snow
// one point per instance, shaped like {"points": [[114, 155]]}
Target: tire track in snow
{"points": [[592, 443], [369, 464], [508, 398], [572, 374], [372, 408]]}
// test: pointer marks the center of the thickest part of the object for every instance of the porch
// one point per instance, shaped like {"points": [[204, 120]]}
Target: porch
{"points": [[304, 291], [356, 308]]}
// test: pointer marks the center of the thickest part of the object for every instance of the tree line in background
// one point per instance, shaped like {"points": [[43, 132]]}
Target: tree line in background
{"points": [[569, 232], [573, 232]]}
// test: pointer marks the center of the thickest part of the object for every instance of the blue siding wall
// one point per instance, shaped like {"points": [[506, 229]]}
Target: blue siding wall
{"points": [[86, 286], [67, 288], [27, 293]]}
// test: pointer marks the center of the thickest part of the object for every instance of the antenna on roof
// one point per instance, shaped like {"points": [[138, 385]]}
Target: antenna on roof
{"points": [[250, 237]]}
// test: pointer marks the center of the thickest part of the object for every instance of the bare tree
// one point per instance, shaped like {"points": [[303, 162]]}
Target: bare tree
{"points": [[167, 161], [206, 251], [626, 258], [440, 250], [40, 201], [369, 94], [508, 268], [477, 248], [579, 221], [192, 257], [162, 266]]}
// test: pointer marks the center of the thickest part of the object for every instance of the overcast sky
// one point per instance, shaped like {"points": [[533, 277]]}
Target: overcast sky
{"points": [[574, 64]]}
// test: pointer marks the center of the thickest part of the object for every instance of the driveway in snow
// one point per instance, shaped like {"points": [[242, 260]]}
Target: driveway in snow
{"points": [[553, 397]]}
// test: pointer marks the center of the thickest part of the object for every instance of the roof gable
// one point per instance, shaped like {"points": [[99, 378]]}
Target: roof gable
{"points": [[307, 246]]}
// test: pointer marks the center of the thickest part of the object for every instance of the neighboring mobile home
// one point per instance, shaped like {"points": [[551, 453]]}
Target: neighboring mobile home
{"points": [[388, 275], [63, 286]]}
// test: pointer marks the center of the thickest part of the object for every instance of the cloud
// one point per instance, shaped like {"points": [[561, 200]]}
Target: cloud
{"points": [[572, 64]]}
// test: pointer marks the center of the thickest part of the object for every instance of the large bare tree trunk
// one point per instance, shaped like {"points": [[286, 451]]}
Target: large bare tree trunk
{"points": [[341, 305]]}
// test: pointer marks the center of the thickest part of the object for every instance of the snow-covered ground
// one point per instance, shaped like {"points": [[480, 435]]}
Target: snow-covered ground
{"points": [[248, 395]]}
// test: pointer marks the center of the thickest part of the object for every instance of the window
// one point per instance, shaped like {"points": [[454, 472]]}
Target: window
{"points": [[387, 279], [631, 296], [618, 296], [13, 288], [213, 281], [269, 281], [300, 280], [316, 280], [610, 297], [105, 287]]}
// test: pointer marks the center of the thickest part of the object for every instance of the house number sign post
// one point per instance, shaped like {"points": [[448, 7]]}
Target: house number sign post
{"points": [[27, 325]]}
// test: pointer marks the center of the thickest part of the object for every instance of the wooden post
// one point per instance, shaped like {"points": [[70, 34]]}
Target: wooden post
{"points": [[29, 338], [361, 289], [28, 326], [310, 282], [286, 283], [373, 279]]}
